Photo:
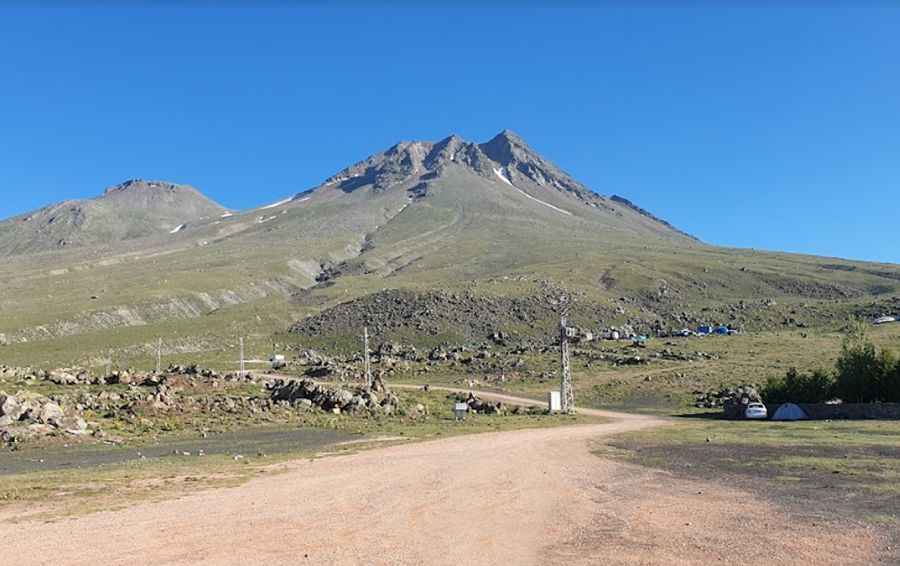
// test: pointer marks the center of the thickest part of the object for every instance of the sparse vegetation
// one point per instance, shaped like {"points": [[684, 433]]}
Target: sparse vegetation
{"points": [[836, 469]]}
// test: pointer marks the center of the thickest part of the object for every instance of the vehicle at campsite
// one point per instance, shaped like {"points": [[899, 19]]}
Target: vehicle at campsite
{"points": [[756, 411]]}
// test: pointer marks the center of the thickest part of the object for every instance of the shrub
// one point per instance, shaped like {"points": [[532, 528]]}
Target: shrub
{"points": [[796, 387], [889, 384], [863, 374]]}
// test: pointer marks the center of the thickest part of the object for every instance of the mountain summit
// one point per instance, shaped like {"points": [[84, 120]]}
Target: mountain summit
{"points": [[504, 173], [130, 210], [505, 156]]}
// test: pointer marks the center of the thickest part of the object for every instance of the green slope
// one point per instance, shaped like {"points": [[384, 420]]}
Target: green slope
{"points": [[492, 219]]}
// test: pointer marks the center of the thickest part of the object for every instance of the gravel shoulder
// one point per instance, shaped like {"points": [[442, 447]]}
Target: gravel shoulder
{"points": [[535, 496]]}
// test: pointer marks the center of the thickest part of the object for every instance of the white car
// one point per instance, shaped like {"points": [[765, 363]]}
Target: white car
{"points": [[756, 411]]}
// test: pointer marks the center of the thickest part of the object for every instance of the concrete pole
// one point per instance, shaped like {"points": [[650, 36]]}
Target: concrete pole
{"points": [[159, 357], [242, 357], [566, 391], [368, 368]]}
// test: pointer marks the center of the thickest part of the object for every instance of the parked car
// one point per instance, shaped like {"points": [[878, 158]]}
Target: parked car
{"points": [[756, 411]]}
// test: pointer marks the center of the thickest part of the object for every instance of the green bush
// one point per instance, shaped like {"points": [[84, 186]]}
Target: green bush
{"points": [[862, 375], [891, 385], [796, 387]]}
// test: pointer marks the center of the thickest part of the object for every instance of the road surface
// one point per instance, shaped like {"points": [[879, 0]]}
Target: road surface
{"points": [[524, 497]]}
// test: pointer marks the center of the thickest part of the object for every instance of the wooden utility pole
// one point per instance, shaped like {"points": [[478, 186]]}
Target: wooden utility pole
{"points": [[368, 367], [159, 357]]}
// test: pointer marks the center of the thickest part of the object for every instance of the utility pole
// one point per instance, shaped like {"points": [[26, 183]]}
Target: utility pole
{"points": [[159, 357], [566, 390], [242, 357], [368, 367]]}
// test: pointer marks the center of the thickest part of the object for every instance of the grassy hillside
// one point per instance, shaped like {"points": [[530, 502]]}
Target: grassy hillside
{"points": [[423, 217]]}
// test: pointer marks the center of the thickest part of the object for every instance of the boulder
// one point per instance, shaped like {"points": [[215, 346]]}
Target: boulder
{"points": [[62, 377], [51, 414], [11, 407], [74, 425]]}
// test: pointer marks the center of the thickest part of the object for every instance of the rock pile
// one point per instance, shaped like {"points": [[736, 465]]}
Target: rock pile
{"points": [[192, 369], [306, 393], [27, 415], [317, 365], [70, 376], [79, 376], [669, 354], [394, 350], [21, 373], [478, 405], [732, 400], [468, 315]]}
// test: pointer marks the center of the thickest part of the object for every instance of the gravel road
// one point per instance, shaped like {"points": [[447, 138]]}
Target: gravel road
{"points": [[523, 497]]}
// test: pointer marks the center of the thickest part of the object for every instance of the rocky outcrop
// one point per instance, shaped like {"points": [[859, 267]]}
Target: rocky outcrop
{"points": [[27, 415], [732, 400], [306, 393], [390, 313]]}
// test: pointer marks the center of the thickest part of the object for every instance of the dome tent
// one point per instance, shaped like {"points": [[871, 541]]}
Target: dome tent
{"points": [[789, 412]]}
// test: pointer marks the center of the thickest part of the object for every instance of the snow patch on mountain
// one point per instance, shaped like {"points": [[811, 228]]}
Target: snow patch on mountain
{"points": [[503, 177], [506, 180], [277, 204]]}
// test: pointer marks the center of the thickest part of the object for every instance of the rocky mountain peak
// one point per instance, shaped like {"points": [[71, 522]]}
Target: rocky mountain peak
{"points": [[506, 152], [134, 185], [506, 147]]}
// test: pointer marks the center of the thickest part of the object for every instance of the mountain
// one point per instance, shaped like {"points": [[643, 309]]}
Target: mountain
{"points": [[425, 235], [131, 210], [506, 160]]}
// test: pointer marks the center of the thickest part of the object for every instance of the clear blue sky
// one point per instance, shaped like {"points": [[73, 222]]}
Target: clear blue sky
{"points": [[772, 127]]}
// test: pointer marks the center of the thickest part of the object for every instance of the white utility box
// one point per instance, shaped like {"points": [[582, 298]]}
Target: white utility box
{"points": [[555, 402]]}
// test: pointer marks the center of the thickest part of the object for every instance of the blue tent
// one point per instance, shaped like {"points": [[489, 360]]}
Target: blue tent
{"points": [[789, 412], [704, 330]]}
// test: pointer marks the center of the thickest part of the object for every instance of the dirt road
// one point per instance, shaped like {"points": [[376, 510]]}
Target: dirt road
{"points": [[523, 497]]}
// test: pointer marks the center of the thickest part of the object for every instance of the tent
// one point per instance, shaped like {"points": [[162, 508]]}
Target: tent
{"points": [[789, 412]]}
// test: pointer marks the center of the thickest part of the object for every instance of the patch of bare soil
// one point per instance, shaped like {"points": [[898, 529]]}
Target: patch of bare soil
{"points": [[523, 497]]}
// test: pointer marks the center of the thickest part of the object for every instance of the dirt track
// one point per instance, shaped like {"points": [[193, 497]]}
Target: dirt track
{"points": [[523, 497]]}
